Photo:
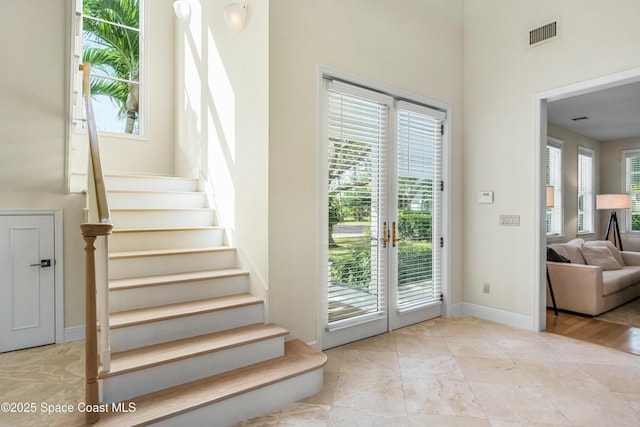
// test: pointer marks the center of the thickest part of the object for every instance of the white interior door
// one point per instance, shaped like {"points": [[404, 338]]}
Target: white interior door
{"points": [[383, 254], [27, 281]]}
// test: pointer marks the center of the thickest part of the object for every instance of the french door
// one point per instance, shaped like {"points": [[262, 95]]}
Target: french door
{"points": [[384, 197]]}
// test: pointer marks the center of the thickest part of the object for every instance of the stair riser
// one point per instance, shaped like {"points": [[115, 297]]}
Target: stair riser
{"points": [[184, 327], [120, 387], [131, 299], [174, 239], [156, 201], [160, 219], [150, 183], [168, 264], [250, 404]]}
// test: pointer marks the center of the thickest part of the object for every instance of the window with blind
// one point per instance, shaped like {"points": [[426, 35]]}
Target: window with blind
{"points": [[632, 175], [554, 179], [585, 191]]}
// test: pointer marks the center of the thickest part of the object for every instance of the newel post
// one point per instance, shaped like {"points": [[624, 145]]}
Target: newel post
{"points": [[90, 232]]}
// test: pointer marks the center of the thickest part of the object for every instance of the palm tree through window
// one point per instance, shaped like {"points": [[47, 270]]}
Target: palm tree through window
{"points": [[111, 43]]}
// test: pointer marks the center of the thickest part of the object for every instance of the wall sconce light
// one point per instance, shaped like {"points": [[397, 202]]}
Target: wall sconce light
{"points": [[235, 16], [182, 9]]}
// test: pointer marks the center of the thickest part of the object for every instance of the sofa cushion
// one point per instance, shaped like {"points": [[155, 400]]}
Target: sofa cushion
{"points": [[600, 256], [570, 250], [616, 280], [614, 251]]}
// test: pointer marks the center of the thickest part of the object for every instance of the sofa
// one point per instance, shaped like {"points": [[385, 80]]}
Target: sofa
{"points": [[596, 276]]}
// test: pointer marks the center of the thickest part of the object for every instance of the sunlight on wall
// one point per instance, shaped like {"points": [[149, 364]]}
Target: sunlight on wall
{"points": [[222, 124], [223, 96]]}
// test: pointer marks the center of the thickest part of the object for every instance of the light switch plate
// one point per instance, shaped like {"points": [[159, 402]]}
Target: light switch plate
{"points": [[485, 197], [510, 220]]}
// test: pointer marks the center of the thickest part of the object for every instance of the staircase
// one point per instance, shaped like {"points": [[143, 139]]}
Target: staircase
{"points": [[189, 345]]}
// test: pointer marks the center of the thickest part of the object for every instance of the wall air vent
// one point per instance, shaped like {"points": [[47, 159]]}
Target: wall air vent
{"points": [[543, 34]]}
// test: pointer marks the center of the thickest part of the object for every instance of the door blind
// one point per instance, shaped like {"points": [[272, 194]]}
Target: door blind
{"points": [[357, 141], [419, 205]]}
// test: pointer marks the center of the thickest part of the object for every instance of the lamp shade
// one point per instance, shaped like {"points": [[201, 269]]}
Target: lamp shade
{"points": [[613, 201], [182, 9], [235, 16], [549, 196]]}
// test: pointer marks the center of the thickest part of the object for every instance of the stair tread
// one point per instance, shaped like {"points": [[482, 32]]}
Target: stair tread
{"points": [[146, 176], [165, 279], [158, 354], [160, 252], [167, 229], [155, 192], [299, 359], [152, 314], [160, 209]]}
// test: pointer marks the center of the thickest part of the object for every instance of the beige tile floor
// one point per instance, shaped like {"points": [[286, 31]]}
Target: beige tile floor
{"points": [[469, 372], [445, 372]]}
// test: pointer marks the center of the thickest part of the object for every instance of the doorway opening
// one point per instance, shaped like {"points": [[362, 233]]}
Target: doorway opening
{"points": [[542, 101]]}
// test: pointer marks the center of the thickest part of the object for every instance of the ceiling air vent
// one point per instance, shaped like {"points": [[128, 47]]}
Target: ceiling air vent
{"points": [[543, 34]]}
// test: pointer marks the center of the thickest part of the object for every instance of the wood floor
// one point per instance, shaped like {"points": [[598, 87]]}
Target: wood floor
{"points": [[601, 332]]}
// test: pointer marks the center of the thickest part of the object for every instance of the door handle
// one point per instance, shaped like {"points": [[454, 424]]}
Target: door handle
{"points": [[43, 263], [385, 234], [394, 240]]}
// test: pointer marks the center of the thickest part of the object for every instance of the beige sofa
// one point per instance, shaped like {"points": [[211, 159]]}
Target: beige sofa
{"points": [[598, 279]]}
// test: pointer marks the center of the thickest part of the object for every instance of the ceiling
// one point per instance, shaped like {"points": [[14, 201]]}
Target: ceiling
{"points": [[613, 113]]}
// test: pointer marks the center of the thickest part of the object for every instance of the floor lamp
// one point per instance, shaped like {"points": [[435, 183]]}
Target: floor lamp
{"points": [[550, 203], [613, 202]]}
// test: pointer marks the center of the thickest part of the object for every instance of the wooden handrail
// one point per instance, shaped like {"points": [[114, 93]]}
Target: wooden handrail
{"points": [[104, 215], [90, 232]]}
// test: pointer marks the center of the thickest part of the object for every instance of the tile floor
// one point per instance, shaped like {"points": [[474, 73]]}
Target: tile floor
{"points": [[445, 372], [470, 372]]}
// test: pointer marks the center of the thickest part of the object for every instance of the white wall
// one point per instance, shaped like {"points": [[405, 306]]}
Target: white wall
{"points": [[32, 128], [33, 121], [571, 142], [501, 78], [409, 44], [222, 122]]}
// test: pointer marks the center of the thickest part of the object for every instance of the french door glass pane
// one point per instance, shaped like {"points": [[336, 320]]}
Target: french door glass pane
{"points": [[417, 205], [356, 266]]}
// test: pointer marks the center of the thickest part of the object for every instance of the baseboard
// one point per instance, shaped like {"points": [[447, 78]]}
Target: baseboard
{"points": [[74, 333], [499, 316], [455, 310]]}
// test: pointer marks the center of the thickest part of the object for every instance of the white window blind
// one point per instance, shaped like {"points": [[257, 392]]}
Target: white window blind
{"points": [[419, 204], [585, 191], [357, 141], [632, 174], [554, 179]]}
